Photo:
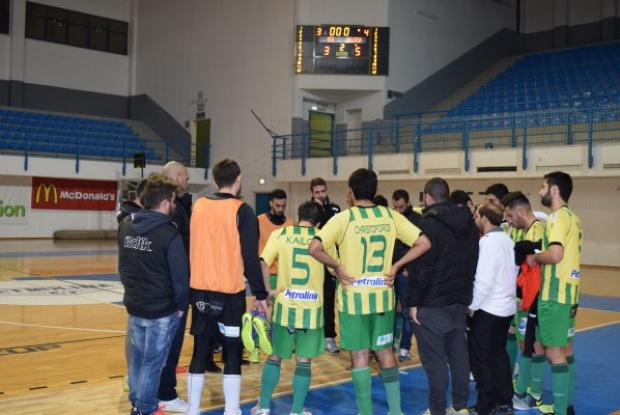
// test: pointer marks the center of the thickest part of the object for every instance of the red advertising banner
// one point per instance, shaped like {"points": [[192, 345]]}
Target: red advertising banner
{"points": [[72, 194]]}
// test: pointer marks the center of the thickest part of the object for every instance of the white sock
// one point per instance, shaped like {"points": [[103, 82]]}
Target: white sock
{"points": [[195, 382], [231, 385], [403, 352]]}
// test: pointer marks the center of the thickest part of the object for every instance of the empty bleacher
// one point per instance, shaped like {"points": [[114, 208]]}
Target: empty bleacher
{"points": [[63, 135], [577, 85]]}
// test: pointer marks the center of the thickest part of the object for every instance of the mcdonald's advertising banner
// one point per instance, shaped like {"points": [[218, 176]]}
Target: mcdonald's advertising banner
{"points": [[72, 194]]}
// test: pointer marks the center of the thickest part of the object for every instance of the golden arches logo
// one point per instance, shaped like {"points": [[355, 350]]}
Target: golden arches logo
{"points": [[46, 192]]}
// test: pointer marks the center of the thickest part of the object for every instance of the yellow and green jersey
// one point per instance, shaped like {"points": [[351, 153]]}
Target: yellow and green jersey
{"points": [[560, 282], [534, 233], [365, 239], [299, 302]]}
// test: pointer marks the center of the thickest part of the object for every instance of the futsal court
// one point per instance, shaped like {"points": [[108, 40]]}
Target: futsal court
{"points": [[62, 329]]}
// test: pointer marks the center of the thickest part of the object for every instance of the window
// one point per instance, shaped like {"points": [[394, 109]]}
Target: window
{"points": [[5, 16], [53, 24]]}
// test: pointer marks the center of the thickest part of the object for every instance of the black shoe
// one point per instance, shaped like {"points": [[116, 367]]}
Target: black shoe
{"points": [[213, 368], [570, 410], [245, 362], [504, 410]]}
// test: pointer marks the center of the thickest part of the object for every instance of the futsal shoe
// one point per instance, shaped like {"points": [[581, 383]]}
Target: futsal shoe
{"points": [[263, 332], [246, 332]]}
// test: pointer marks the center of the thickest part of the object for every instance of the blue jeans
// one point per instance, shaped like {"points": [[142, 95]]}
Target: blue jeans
{"points": [[151, 340], [401, 288]]}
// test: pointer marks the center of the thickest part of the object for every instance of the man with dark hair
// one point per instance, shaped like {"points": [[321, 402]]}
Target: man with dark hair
{"points": [[318, 189], [271, 221], [527, 233], [559, 294], [126, 212], [223, 254], [401, 204], [491, 311], [364, 236], [153, 268], [380, 200], [495, 192], [296, 316], [440, 292], [128, 208], [461, 198]]}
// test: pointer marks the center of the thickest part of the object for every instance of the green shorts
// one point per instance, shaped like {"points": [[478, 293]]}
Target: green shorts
{"points": [[556, 322], [366, 331], [307, 343], [520, 322]]}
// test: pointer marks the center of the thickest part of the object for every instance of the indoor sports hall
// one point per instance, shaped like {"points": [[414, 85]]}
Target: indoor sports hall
{"points": [[95, 95]]}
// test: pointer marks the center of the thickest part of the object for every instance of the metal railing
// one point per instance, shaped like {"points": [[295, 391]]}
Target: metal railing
{"points": [[437, 131], [29, 141]]}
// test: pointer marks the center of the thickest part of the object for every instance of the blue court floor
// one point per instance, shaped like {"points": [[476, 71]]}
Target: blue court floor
{"points": [[597, 392]]}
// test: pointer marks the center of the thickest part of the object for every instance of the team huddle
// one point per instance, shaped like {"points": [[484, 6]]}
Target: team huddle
{"points": [[474, 284]]}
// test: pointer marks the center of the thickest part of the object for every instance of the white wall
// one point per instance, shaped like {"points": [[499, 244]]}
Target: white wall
{"points": [[427, 35], [64, 66], [542, 15], [241, 57], [5, 53]]}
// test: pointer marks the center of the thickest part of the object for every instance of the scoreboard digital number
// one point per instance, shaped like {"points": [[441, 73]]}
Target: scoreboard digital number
{"points": [[342, 50]]}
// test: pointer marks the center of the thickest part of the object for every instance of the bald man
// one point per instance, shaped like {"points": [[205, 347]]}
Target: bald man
{"points": [[169, 400]]}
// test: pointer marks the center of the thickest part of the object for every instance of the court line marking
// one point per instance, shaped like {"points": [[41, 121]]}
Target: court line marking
{"points": [[41, 326]]}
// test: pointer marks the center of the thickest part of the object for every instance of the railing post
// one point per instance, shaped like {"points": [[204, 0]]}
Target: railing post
{"points": [[335, 152], [26, 151], [304, 143], [370, 145], [569, 129], [274, 167], [466, 145], [590, 138], [417, 144], [524, 153]]}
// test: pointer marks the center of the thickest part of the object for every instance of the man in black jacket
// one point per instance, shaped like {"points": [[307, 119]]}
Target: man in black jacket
{"points": [[440, 291], [318, 188], [169, 400], [154, 270], [402, 204]]}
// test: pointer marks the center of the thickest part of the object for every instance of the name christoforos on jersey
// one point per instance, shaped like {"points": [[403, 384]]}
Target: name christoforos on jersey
{"points": [[369, 229]]}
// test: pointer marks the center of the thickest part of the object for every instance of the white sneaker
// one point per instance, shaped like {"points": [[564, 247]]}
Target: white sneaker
{"points": [[259, 411], [177, 405], [304, 411], [331, 346]]}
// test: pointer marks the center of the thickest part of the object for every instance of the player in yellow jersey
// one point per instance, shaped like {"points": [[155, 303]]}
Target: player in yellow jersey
{"points": [[527, 233], [365, 235], [559, 293], [297, 314]]}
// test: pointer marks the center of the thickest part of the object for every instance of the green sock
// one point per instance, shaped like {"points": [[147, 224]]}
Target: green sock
{"points": [[525, 370], [301, 385], [560, 380], [571, 384], [512, 347], [391, 382], [269, 381], [398, 327], [361, 384], [538, 371]]}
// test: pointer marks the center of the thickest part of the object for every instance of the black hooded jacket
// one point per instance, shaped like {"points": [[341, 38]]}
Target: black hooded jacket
{"points": [[444, 275], [153, 266]]}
